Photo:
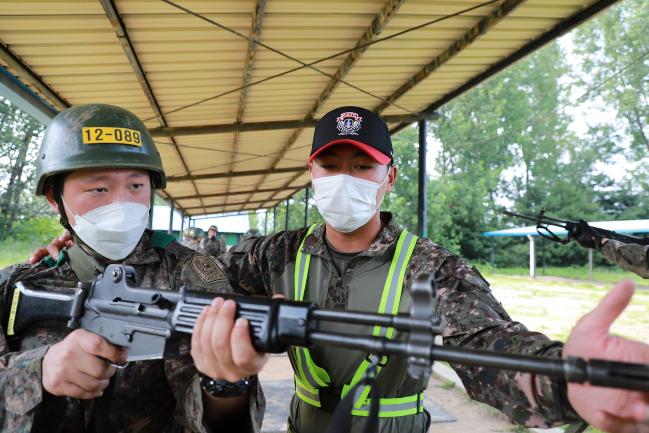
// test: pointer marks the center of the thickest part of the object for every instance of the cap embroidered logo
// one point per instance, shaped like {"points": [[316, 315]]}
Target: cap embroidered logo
{"points": [[349, 123]]}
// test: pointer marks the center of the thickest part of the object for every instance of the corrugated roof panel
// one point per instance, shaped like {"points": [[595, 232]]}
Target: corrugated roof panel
{"points": [[194, 71]]}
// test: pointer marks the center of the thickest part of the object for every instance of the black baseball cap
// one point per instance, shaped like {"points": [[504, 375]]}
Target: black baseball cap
{"points": [[356, 126]]}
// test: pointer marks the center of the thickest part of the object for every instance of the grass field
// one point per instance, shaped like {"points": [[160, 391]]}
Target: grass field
{"points": [[12, 252], [601, 275], [552, 305]]}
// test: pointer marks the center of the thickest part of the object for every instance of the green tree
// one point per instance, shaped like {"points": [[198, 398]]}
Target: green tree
{"points": [[19, 134], [614, 53]]}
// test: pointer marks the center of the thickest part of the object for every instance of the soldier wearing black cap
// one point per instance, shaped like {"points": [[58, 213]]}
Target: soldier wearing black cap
{"points": [[361, 259]]}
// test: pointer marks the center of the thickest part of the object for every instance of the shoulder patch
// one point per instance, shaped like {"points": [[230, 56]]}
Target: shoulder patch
{"points": [[206, 269]]}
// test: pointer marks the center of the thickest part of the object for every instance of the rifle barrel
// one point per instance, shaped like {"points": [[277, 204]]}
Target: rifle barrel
{"points": [[595, 371]]}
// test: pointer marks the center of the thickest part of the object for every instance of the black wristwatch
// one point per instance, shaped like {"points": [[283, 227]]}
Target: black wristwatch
{"points": [[222, 388]]}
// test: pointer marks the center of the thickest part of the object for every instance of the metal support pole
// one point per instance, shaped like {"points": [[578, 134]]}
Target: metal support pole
{"points": [[266, 223], [181, 235], [532, 256], [274, 219], [590, 264], [286, 219], [306, 206], [421, 198], [171, 217]]}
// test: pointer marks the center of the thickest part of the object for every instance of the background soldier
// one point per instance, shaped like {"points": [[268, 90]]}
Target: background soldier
{"points": [[628, 256], [98, 169], [212, 245], [193, 237], [251, 233]]}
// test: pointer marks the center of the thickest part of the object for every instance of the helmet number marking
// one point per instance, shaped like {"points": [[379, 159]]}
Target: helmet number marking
{"points": [[109, 135]]}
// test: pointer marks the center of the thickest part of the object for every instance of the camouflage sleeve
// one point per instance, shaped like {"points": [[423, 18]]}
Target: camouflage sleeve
{"points": [[474, 319], [201, 273], [630, 257], [21, 389], [256, 262]]}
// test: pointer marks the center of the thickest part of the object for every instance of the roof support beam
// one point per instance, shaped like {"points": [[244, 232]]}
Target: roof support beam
{"points": [[231, 193], [460, 44], [193, 177], [122, 35], [241, 203], [275, 201], [390, 8], [176, 131], [563, 27], [30, 77], [25, 98], [255, 33]]}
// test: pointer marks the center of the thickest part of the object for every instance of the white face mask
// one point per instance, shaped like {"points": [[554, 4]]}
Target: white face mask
{"points": [[112, 230], [346, 202]]}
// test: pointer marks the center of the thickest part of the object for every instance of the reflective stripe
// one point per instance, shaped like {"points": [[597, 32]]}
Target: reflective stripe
{"points": [[313, 375], [309, 395], [394, 407], [309, 373], [301, 268], [391, 296], [390, 301], [309, 377]]}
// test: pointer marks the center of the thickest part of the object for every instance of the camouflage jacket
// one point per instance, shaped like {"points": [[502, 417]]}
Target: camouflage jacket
{"points": [[211, 247], [474, 318], [630, 257], [148, 396]]}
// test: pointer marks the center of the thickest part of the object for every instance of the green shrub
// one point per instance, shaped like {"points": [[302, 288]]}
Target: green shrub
{"points": [[38, 230]]}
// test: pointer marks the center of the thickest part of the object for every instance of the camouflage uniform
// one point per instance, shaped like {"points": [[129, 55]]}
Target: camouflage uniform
{"points": [[474, 320], [211, 247], [631, 257], [148, 396]]}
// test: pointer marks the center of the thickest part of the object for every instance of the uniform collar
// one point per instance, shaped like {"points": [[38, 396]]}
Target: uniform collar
{"points": [[315, 243], [144, 253]]}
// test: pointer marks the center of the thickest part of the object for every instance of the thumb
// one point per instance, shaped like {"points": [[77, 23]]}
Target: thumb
{"points": [[600, 319]]}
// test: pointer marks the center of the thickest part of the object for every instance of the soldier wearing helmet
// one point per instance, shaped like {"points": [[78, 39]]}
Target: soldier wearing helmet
{"points": [[98, 167], [193, 237], [212, 245]]}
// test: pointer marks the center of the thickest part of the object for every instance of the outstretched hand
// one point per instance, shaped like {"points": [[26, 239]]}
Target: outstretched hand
{"points": [[610, 409]]}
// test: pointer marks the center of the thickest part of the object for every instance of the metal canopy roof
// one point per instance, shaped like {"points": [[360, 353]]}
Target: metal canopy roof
{"points": [[621, 226], [234, 133]]}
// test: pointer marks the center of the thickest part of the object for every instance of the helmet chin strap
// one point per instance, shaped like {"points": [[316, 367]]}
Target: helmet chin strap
{"points": [[63, 218]]}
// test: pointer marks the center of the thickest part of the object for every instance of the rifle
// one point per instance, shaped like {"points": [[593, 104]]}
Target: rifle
{"points": [[152, 323], [575, 229]]}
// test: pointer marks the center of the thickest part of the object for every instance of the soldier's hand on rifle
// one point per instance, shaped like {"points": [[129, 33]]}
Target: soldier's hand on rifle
{"points": [[585, 235], [221, 347], [53, 249], [78, 367], [610, 409]]}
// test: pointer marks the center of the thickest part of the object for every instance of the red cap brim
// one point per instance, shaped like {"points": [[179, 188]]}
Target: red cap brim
{"points": [[378, 156]]}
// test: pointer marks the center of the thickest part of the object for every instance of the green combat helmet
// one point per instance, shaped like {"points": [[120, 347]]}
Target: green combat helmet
{"points": [[194, 233], [97, 136]]}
